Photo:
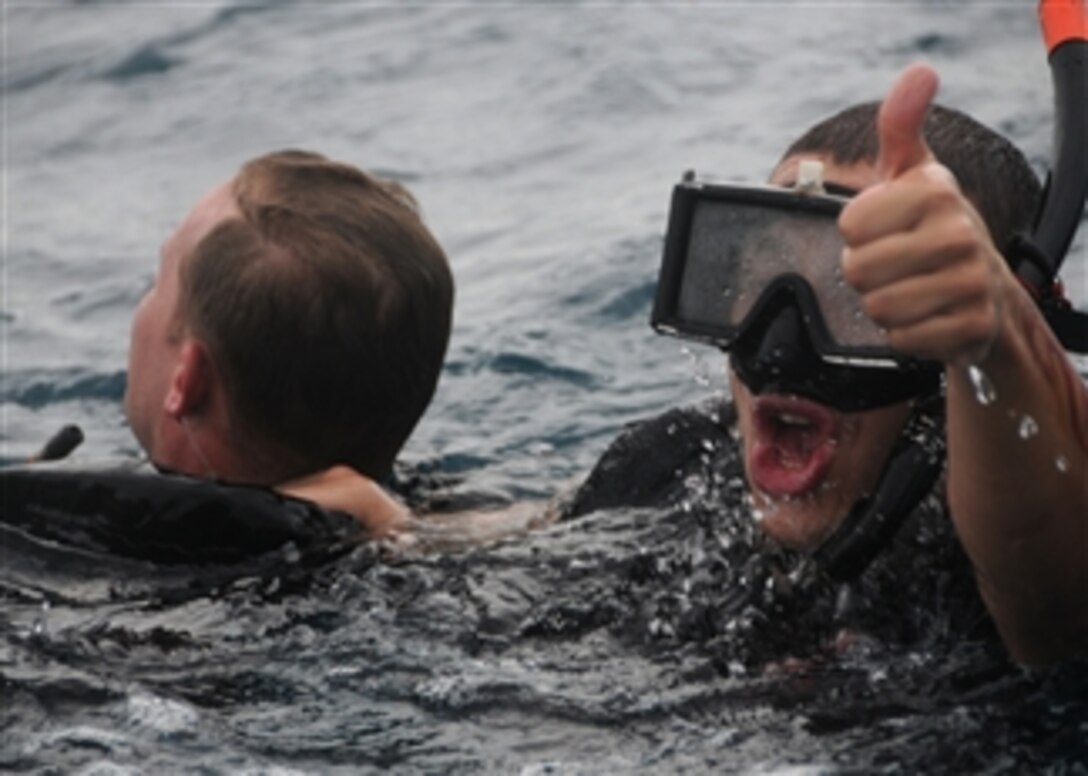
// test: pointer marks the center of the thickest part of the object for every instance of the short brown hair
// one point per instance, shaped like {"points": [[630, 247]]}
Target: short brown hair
{"points": [[992, 172], [327, 309]]}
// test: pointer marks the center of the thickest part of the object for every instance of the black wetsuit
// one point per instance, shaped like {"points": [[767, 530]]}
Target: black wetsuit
{"points": [[134, 510], [687, 466]]}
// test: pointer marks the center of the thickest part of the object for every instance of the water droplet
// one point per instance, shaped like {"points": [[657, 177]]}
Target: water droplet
{"points": [[984, 389], [844, 600], [41, 622], [1028, 427], [1062, 463]]}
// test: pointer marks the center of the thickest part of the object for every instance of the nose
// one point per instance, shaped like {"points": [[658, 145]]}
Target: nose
{"points": [[783, 349]]}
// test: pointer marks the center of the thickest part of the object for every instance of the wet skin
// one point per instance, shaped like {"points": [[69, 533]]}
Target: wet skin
{"points": [[171, 396], [157, 334], [806, 463]]}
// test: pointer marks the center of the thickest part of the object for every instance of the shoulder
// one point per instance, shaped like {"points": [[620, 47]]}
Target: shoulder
{"points": [[647, 464], [343, 489]]}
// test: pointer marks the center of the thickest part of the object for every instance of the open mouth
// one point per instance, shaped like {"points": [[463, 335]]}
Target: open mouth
{"points": [[794, 444]]}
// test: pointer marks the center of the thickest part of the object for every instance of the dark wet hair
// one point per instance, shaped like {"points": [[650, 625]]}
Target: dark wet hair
{"points": [[327, 307], [992, 172]]}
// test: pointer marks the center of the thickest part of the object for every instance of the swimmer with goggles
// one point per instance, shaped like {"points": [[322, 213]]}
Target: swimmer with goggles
{"points": [[757, 272]]}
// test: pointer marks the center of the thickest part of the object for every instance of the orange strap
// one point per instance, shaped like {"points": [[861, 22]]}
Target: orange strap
{"points": [[1063, 20]]}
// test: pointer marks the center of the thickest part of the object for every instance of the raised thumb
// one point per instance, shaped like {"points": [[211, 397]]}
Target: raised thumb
{"points": [[899, 123]]}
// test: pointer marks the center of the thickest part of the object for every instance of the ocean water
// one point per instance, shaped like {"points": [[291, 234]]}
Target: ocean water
{"points": [[542, 140]]}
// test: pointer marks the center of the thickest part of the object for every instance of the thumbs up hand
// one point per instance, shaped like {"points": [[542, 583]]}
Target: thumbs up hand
{"points": [[916, 251]]}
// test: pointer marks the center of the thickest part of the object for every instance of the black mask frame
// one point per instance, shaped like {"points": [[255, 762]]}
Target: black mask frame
{"points": [[783, 343], [685, 263]]}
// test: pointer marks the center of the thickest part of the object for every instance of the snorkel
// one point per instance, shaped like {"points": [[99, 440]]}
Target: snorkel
{"points": [[1036, 259]]}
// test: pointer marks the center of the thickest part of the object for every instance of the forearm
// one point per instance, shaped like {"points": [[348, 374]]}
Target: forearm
{"points": [[384, 517], [1018, 485]]}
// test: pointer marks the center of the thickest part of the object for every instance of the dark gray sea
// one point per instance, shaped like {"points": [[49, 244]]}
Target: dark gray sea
{"points": [[542, 140]]}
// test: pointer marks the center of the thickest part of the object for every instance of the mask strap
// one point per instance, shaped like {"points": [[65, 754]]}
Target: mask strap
{"points": [[909, 476]]}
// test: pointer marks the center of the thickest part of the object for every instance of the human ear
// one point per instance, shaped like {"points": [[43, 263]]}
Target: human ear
{"points": [[191, 382]]}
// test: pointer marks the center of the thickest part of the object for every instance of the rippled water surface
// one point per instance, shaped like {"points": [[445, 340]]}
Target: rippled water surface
{"points": [[542, 141]]}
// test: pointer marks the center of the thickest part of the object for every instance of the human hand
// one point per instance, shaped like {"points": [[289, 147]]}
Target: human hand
{"points": [[917, 251], [344, 489]]}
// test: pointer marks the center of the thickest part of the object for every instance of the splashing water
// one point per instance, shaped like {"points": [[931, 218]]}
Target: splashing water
{"points": [[1028, 427], [985, 392], [702, 369], [1062, 463]]}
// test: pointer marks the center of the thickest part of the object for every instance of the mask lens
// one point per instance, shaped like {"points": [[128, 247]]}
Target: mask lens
{"points": [[846, 321], [738, 250]]}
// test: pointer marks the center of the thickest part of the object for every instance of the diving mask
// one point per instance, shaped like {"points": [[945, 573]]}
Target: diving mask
{"points": [[757, 272]]}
